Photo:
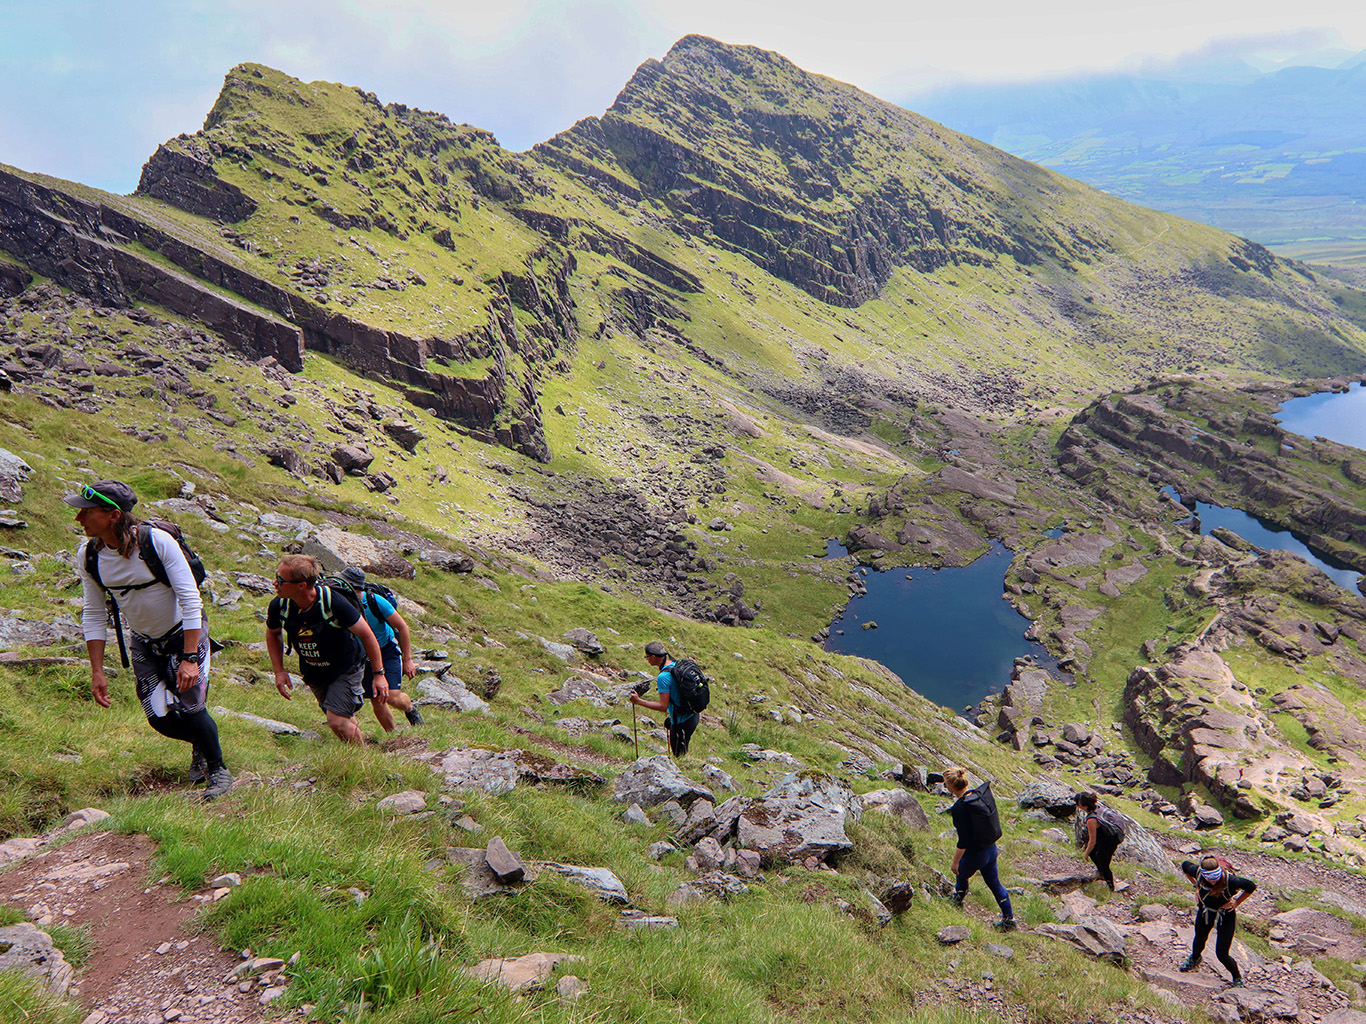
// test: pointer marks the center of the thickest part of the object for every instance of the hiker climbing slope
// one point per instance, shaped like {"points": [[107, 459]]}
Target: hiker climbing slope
{"points": [[1102, 838], [145, 570], [1220, 892], [979, 826]]}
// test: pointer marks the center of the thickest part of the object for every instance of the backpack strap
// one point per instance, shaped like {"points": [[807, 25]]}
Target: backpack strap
{"points": [[92, 562], [150, 556]]}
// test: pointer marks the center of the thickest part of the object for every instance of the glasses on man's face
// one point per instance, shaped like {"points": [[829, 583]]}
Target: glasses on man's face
{"points": [[280, 581], [90, 494]]}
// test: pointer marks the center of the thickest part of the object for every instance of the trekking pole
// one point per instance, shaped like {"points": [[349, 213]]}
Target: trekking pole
{"points": [[634, 737]]}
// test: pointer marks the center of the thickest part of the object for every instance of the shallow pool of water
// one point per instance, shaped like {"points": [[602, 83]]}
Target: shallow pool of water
{"points": [[1265, 535], [947, 632], [1340, 416]]}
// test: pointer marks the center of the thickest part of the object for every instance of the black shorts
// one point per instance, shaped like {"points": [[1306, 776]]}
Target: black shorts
{"points": [[393, 670]]}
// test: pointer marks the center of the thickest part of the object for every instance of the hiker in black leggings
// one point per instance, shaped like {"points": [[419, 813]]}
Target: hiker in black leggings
{"points": [[1221, 892], [168, 649], [1100, 842]]}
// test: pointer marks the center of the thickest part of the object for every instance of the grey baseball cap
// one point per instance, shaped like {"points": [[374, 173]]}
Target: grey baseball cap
{"points": [[104, 494], [655, 649], [354, 575]]}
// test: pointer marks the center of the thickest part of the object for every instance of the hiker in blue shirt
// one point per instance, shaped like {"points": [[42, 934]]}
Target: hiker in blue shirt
{"points": [[680, 729], [395, 643]]}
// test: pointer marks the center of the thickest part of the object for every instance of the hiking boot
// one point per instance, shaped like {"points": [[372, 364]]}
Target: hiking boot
{"points": [[1192, 962], [199, 766], [220, 781], [1237, 982], [956, 900], [1005, 924], [414, 716]]}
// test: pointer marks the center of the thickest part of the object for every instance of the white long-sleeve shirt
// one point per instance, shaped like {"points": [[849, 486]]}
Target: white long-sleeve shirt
{"points": [[152, 611]]}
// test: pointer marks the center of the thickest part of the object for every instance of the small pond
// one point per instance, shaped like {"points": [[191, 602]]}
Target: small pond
{"points": [[1338, 416], [1264, 535], [947, 632]]}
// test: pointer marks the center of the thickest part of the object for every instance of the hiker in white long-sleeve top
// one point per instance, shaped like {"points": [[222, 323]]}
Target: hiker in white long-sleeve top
{"points": [[145, 571]]}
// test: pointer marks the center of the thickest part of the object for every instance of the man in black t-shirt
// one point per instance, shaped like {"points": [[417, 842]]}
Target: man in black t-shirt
{"points": [[332, 641]]}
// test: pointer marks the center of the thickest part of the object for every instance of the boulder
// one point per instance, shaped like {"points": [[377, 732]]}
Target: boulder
{"points": [[13, 472], [506, 866], [16, 632], [28, 949], [404, 434], [479, 881], [584, 641], [1095, 935], [353, 459], [1049, 794], [712, 885], [897, 802], [953, 934], [448, 691], [802, 816], [410, 801], [336, 549], [654, 780], [520, 974], [1262, 1003], [578, 688], [494, 772], [269, 724], [600, 881], [898, 896], [18, 848], [449, 561]]}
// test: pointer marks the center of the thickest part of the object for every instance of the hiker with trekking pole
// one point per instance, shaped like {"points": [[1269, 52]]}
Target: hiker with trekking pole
{"points": [[683, 693], [1220, 893]]}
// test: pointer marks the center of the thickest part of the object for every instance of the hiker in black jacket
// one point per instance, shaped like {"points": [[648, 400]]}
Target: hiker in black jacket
{"points": [[974, 816], [1101, 842], [1221, 892]]}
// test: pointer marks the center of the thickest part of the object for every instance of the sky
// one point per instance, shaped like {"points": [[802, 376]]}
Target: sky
{"points": [[91, 87]]}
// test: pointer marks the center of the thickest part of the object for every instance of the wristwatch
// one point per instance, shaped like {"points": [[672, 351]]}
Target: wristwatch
{"points": [[191, 656]]}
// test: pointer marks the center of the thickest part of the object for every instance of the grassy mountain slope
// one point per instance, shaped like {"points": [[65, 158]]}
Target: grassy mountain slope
{"points": [[643, 373]]}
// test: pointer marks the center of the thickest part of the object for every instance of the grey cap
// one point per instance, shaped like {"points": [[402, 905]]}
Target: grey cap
{"points": [[656, 649], [354, 575], [104, 494]]}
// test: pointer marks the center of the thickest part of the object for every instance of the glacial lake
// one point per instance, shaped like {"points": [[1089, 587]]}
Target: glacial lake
{"points": [[1338, 416], [1264, 535], [948, 633]]}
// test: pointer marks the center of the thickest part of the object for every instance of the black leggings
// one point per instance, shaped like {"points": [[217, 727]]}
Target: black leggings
{"points": [[1101, 855], [194, 727], [1222, 922]]}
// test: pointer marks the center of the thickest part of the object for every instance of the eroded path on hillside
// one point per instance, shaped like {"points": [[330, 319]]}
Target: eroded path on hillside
{"points": [[148, 962]]}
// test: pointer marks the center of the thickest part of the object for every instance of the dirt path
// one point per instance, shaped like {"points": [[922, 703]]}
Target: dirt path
{"points": [[146, 964]]}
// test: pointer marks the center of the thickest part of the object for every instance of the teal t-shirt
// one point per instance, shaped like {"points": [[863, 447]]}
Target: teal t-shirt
{"points": [[664, 682], [383, 633]]}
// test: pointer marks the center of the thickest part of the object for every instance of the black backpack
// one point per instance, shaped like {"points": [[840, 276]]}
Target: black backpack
{"points": [[366, 593], [691, 692], [289, 612], [985, 819], [1109, 830], [147, 550]]}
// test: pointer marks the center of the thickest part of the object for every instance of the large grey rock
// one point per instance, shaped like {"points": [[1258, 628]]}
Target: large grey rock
{"points": [[655, 780], [494, 772], [18, 848], [299, 529], [479, 881], [520, 974], [404, 433], [578, 688], [449, 691], [1262, 1003], [801, 816], [1049, 794], [898, 802], [584, 640], [336, 549], [29, 949], [268, 724], [410, 801], [712, 885], [1094, 935], [505, 864], [353, 459], [13, 472], [603, 884], [16, 632]]}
